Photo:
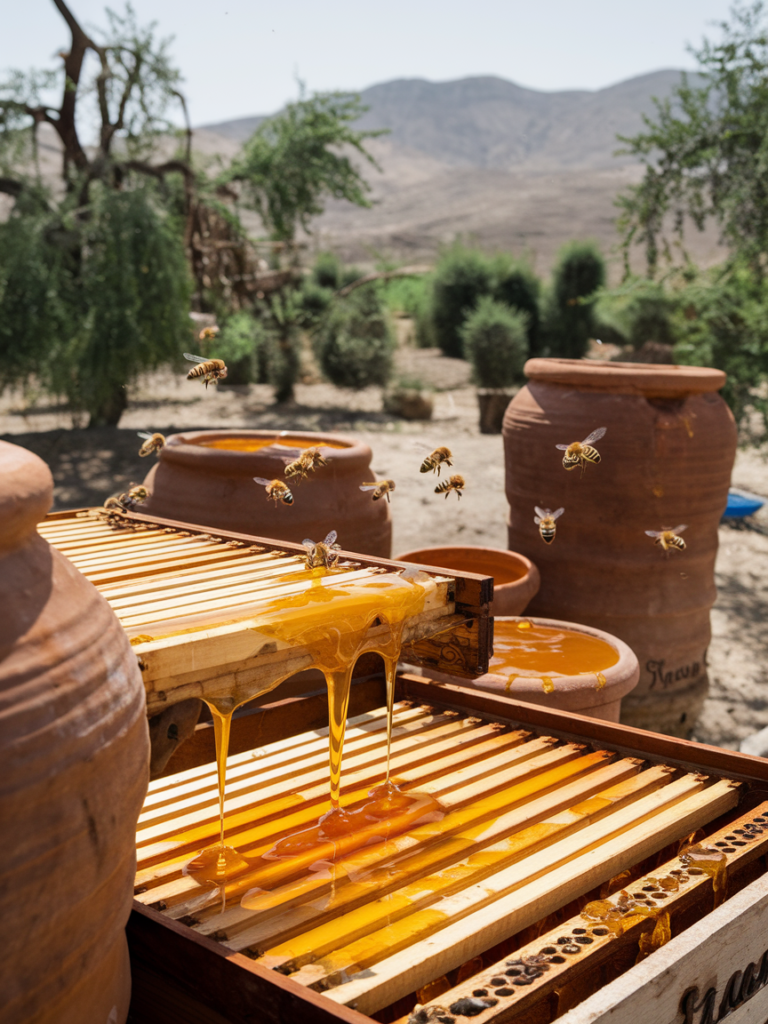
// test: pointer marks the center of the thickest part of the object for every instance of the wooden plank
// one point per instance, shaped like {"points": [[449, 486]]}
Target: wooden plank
{"points": [[717, 968], [449, 947], [626, 740], [541, 971]]}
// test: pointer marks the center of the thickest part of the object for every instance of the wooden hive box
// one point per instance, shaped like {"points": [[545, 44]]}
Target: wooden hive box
{"points": [[543, 814]]}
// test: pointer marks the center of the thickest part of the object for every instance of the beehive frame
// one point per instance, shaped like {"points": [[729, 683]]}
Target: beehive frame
{"points": [[178, 968]]}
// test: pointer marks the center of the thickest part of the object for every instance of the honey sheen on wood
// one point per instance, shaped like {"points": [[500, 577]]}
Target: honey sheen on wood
{"points": [[521, 648]]}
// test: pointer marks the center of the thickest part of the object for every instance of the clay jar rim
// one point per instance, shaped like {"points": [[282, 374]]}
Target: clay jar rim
{"points": [[652, 380], [186, 449], [619, 678], [25, 497], [434, 557]]}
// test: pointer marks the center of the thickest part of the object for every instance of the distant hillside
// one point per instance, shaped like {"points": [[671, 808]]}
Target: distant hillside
{"points": [[495, 124]]}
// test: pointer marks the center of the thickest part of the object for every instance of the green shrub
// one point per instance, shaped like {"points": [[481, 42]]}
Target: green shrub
{"points": [[314, 300], [495, 338], [242, 335], [327, 271], [569, 317], [354, 343], [516, 285], [462, 276]]}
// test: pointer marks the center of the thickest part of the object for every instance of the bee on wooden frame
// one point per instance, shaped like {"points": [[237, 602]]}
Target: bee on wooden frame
{"points": [[579, 453], [152, 443], [545, 520], [323, 553], [277, 490], [211, 370], [380, 488], [668, 538]]}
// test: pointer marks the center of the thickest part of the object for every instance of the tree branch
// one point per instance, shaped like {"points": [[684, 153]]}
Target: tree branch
{"points": [[73, 65], [383, 275], [160, 170]]}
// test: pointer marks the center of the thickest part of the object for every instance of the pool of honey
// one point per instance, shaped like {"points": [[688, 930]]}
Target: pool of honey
{"points": [[333, 625], [522, 648], [255, 444]]}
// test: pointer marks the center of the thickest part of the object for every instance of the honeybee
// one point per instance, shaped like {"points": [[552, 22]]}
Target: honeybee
{"points": [[439, 457], [323, 553], [137, 493], [668, 538], [545, 520], [211, 370], [380, 488], [309, 460], [152, 443], [277, 490], [456, 483], [581, 452], [207, 333], [127, 500]]}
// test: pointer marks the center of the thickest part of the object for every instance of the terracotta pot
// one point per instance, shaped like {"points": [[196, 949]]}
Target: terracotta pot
{"points": [[666, 460], [581, 694], [515, 577], [213, 486], [493, 404], [74, 748]]}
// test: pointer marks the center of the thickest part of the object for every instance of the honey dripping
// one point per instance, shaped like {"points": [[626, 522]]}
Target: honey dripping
{"points": [[331, 623], [711, 862]]}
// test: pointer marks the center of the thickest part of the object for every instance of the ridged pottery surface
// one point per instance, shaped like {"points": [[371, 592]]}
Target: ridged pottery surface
{"points": [[198, 480], [598, 695], [74, 748], [666, 460], [515, 577]]}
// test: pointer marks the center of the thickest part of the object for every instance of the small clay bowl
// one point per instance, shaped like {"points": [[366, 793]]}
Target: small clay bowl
{"points": [[515, 577], [579, 694]]}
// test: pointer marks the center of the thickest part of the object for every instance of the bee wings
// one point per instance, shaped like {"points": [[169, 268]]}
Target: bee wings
{"points": [[595, 435], [194, 359], [331, 538], [261, 480], [145, 434], [544, 513], [557, 513], [368, 487]]}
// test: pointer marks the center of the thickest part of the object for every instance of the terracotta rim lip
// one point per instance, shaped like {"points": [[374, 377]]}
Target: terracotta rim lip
{"points": [[623, 676], [421, 556], [651, 379], [186, 448]]}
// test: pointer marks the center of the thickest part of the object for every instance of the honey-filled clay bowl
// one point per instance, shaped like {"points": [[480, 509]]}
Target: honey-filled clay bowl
{"points": [[563, 666], [515, 577]]}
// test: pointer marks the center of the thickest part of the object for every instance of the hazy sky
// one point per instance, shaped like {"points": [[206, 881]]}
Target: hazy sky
{"points": [[242, 57]]}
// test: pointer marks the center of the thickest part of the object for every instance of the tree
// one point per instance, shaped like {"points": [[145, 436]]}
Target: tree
{"points": [[93, 280], [292, 164], [706, 152], [569, 320]]}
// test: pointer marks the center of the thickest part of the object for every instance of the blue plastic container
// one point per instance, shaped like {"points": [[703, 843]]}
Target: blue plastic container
{"points": [[741, 503]]}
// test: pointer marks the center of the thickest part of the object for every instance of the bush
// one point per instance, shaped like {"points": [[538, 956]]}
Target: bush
{"points": [[354, 343], [241, 338], [462, 277], [569, 320], [495, 338], [516, 285], [327, 271]]}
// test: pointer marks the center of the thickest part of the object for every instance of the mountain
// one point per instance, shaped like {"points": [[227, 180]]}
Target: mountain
{"points": [[494, 124]]}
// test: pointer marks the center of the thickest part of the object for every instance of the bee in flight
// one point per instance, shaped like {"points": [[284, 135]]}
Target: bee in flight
{"points": [[152, 443], [435, 459], [208, 333], [277, 490], [545, 520], [380, 488], [668, 538], [582, 452], [211, 370], [323, 553], [308, 460], [456, 483]]}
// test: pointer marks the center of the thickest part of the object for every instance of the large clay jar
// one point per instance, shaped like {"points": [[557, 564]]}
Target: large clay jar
{"points": [[206, 477], [515, 577], [74, 750], [585, 693], [666, 460]]}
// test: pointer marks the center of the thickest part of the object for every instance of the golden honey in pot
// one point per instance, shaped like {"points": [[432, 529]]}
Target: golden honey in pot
{"points": [[524, 648]]}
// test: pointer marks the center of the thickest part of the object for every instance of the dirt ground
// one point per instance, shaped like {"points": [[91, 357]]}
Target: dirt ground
{"points": [[88, 465]]}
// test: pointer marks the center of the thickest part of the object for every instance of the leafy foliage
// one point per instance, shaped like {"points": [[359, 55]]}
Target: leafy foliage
{"points": [[239, 345], [462, 277], [495, 338], [706, 152], [292, 163], [516, 285], [354, 343], [569, 320]]}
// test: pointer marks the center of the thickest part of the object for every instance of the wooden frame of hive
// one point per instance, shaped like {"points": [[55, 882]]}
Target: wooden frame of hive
{"points": [[453, 633], [183, 976]]}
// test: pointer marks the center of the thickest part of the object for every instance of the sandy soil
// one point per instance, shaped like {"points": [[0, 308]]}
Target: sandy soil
{"points": [[88, 465]]}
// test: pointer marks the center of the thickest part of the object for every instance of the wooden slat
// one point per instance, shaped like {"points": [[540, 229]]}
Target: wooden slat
{"points": [[454, 944]]}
